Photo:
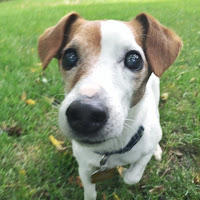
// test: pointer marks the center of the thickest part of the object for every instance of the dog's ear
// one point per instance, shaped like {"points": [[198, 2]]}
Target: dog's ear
{"points": [[52, 41], [160, 44]]}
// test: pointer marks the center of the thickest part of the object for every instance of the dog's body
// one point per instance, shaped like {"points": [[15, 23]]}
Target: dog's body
{"points": [[111, 93]]}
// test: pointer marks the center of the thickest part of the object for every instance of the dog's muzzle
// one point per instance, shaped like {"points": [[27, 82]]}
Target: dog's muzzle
{"points": [[86, 116]]}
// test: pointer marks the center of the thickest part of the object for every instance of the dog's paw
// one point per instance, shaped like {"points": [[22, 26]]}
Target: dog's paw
{"points": [[90, 196], [158, 153], [131, 179]]}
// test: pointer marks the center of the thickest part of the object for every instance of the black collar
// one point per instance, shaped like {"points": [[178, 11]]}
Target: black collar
{"points": [[133, 141]]}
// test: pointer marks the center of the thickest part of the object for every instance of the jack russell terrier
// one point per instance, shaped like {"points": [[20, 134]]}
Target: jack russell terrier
{"points": [[111, 72]]}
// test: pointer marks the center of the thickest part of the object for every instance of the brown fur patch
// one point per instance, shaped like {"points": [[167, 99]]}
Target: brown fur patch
{"points": [[160, 44], [143, 76], [52, 41], [87, 42]]}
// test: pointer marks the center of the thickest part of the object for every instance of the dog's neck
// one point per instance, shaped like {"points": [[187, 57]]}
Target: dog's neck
{"points": [[133, 141]]}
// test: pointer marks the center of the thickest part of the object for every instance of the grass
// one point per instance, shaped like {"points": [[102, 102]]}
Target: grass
{"points": [[31, 167]]}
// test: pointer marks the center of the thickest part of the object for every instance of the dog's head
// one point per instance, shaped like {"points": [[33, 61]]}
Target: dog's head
{"points": [[105, 66]]}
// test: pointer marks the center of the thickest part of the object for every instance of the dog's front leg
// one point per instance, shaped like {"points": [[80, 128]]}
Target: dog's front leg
{"points": [[85, 173], [136, 170]]}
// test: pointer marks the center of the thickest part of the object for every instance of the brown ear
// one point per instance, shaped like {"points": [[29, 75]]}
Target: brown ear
{"points": [[52, 41], [160, 44]]}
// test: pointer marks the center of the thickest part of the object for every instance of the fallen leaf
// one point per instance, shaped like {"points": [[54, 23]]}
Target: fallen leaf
{"points": [[57, 143], [75, 180], [14, 131], [23, 97], [192, 79], [104, 196], [22, 171], [183, 66], [33, 70], [39, 64], [177, 153], [165, 96], [54, 141], [71, 180], [78, 182], [197, 179], [120, 170], [30, 102], [116, 197], [157, 189]]}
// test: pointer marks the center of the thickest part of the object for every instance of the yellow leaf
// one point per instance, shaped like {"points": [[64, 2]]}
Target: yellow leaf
{"points": [[30, 102], [165, 96], [57, 143], [54, 141], [37, 69], [22, 172], [120, 170], [116, 197], [183, 66]]}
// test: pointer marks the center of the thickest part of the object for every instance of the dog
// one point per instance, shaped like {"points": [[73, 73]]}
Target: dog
{"points": [[111, 72]]}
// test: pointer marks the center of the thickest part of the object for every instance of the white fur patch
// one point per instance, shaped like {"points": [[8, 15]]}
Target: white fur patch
{"points": [[89, 90]]}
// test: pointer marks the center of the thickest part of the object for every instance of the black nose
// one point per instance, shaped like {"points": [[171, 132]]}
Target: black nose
{"points": [[87, 115]]}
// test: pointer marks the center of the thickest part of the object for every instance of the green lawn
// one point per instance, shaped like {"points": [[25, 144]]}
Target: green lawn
{"points": [[30, 166]]}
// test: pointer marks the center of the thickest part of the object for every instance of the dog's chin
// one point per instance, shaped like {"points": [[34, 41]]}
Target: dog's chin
{"points": [[87, 140]]}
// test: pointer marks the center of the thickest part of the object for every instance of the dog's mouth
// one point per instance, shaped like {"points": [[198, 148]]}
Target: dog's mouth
{"points": [[84, 138]]}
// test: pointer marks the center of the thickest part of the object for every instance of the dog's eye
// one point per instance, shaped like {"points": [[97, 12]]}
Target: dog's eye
{"points": [[133, 61], [69, 59]]}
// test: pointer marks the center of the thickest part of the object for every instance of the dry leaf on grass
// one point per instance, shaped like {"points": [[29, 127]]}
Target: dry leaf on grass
{"points": [[23, 97], [104, 196], [120, 170], [14, 131], [192, 79], [22, 172], [197, 179], [177, 153], [75, 180], [157, 189], [57, 143], [116, 197], [27, 101], [36, 69], [30, 102], [165, 96]]}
